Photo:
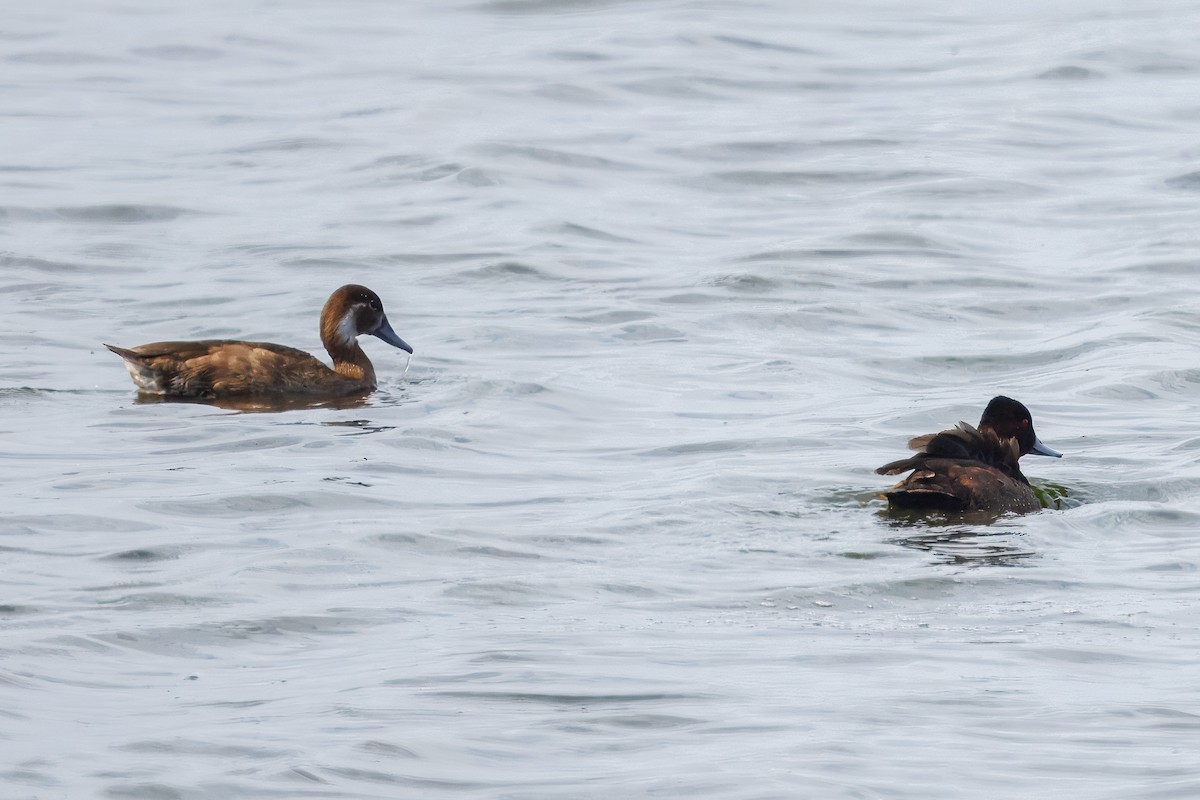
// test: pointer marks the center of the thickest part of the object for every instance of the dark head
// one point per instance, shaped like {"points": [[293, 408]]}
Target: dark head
{"points": [[1009, 419], [354, 310]]}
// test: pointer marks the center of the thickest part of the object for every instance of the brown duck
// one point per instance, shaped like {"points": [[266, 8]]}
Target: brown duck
{"points": [[226, 368], [972, 469]]}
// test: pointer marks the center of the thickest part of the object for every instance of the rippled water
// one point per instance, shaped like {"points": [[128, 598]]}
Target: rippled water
{"points": [[678, 275]]}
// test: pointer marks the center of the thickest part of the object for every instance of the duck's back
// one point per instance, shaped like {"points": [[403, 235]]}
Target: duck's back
{"points": [[957, 485], [223, 367], [962, 469]]}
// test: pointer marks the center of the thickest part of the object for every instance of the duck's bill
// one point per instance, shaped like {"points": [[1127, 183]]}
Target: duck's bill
{"points": [[1042, 450], [385, 332]]}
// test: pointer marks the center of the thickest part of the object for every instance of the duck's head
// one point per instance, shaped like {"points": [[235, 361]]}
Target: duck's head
{"points": [[1009, 419], [352, 311]]}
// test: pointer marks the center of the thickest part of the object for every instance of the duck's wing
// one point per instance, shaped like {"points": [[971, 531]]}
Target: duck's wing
{"points": [[957, 485], [930, 485], [167, 368]]}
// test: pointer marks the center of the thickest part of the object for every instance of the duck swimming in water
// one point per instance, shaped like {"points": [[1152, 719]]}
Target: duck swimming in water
{"points": [[226, 368], [972, 469]]}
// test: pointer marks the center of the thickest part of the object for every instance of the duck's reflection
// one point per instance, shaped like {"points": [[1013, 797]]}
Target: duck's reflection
{"points": [[961, 538], [261, 404]]}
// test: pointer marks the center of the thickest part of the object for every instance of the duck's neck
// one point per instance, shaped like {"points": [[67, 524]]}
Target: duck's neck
{"points": [[349, 360]]}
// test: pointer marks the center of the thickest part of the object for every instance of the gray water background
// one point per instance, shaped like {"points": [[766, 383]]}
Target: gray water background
{"points": [[678, 275]]}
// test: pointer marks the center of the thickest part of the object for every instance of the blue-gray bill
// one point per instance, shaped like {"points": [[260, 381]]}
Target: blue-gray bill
{"points": [[1038, 448], [385, 332]]}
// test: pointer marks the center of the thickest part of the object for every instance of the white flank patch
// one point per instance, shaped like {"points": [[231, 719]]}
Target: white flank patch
{"points": [[146, 379]]}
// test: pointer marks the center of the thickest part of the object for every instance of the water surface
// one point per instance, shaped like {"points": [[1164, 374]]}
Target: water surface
{"points": [[678, 275]]}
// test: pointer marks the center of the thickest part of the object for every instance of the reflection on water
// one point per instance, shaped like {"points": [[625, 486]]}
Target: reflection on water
{"points": [[260, 403], [959, 538], [361, 426]]}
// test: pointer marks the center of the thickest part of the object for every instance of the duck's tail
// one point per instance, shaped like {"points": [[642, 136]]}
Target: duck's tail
{"points": [[128, 355], [144, 375]]}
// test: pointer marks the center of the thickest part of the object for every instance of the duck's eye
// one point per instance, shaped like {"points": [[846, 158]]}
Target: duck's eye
{"points": [[376, 305]]}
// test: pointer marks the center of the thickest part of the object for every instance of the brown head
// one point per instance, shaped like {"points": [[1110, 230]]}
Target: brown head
{"points": [[1008, 419], [348, 313]]}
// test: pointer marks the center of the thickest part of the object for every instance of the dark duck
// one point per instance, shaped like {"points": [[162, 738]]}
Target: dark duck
{"points": [[213, 369], [971, 469]]}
